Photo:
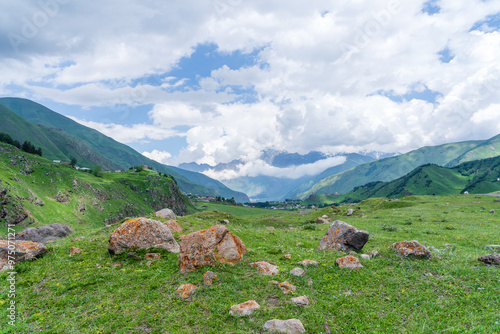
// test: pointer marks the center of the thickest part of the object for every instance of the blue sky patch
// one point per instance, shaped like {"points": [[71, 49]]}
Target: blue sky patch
{"points": [[489, 24], [431, 7], [425, 95], [445, 55]]}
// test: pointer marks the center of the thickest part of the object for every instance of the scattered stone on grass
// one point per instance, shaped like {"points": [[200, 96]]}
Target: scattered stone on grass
{"points": [[224, 222], [266, 268], [270, 228], [321, 220], [174, 226], [244, 309], [205, 247], [492, 211], [142, 233], [77, 239], [185, 290], [365, 256], [301, 301], [23, 251], [306, 263], [165, 213], [287, 287], [490, 259], [152, 256], [411, 248], [287, 256], [290, 326], [373, 253], [349, 262], [298, 272], [350, 212], [209, 277], [342, 236], [74, 250], [45, 233]]}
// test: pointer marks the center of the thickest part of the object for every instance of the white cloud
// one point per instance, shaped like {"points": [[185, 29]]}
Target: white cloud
{"points": [[159, 156]]}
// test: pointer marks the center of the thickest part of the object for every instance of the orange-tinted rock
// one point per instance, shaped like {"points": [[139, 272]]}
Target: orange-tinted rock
{"points": [[209, 277], [174, 226], [142, 233], [349, 261], [185, 290], [244, 309], [205, 247], [287, 287], [301, 301], [74, 250], [152, 256], [306, 263], [266, 268], [342, 236], [23, 250], [411, 248]]}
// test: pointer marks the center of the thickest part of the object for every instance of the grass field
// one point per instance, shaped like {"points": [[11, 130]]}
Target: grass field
{"points": [[94, 292]]}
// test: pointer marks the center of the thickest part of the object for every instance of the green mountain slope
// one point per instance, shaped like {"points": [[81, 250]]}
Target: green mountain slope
{"points": [[479, 176], [35, 190], [392, 168], [62, 138], [487, 149]]}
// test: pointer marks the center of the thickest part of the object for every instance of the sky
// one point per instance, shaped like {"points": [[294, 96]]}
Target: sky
{"points": [[215, 81]]}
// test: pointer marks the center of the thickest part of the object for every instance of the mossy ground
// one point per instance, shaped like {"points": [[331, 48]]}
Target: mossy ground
{"points": [[94, 292]]}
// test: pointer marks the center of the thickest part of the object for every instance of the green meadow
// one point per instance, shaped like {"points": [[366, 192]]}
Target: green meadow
{"points": [[95, 292]]}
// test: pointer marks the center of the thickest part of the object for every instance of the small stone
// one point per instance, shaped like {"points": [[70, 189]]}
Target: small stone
{"points": [[306, 263], [74, 250], [352, 253], [365, 256], [244, 309], [490, 259], [152, 256], [225, 222], [165, 213], [209, 277], [301, 301], [266, 268], [298, 272], [350, 212], [290, 326], [185, 290], [149, 263], [492, 211], [321, 220], [287, 287], [411, 248], [374, 253], [298, 244], [324, 216], [349, 262], [287, 256]]}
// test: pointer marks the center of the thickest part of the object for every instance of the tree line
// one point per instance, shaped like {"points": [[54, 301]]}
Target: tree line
{"points": [[27, 146]]}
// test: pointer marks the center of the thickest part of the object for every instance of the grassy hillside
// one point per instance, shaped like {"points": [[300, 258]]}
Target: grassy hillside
{"points": [[35, 191], [391, 168], [94, 292], [62, 138], [488, 149]]}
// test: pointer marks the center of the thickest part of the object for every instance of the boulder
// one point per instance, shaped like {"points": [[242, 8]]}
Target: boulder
{"points": [[342, 236], [45, 233], [287, 287], [165, 213], [411, 248], [174, 226], [244, 309], [349, 262], [142, 233], [290, 326], [185, 290], [490, 259], [266, 268], [298, 272], [306, 263], [205, 247], [209, 277], [301, 301], [321, 220], [23, 250]]}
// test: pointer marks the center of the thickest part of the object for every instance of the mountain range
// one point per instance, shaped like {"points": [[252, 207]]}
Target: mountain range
{"points": [[62, 139]]}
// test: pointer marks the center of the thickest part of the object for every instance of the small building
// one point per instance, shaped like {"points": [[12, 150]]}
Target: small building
{"points": [[58, 161]]}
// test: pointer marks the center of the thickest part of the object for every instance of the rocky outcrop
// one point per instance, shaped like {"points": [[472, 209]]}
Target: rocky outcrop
{"points": [[205, 247], [45, 233], [411, 248], [342, 236], [174, 226], [142, 233]]}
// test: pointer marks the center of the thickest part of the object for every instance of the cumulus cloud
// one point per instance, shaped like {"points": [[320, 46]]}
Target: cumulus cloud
{"points": [[159, 156]]}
